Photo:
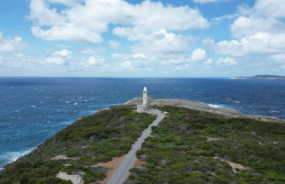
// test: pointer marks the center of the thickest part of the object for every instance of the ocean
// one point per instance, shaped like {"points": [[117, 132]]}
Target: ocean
{"points": [[34, 109]]}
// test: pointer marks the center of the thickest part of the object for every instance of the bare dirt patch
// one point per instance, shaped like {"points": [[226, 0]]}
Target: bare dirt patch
{"points": [[112, 165], [75, 178], [233, 165], [63, 157], [213, 139]]}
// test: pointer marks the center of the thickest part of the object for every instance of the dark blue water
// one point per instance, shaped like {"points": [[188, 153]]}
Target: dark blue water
{"points": [[34, 109]]}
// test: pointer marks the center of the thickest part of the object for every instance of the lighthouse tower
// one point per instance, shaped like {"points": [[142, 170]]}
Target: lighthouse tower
{"points": [[144, 96], [144, 106]]}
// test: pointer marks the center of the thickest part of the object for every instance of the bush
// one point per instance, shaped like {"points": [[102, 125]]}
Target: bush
{"points": [[25, 177]]}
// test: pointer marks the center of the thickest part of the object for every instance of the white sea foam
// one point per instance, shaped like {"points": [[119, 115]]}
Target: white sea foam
{"points": [[218, 106], [9, 157], [69, 122], [75, 103], [105, 105]]}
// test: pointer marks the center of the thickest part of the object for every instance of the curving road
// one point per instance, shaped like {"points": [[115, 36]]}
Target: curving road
{"points": [[122, 172]]}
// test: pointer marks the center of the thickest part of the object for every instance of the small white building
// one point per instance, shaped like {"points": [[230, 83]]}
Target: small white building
{"points": [[144, 106]]}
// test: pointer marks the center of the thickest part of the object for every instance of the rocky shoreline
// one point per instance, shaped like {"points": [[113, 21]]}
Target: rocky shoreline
{"points": [[228, 112]]}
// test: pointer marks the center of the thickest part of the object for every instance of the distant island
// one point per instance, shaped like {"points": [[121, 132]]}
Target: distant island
{"points": [[261, 77]]}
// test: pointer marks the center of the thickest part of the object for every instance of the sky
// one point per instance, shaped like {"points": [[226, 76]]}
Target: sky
{"points": [[134, 38]]}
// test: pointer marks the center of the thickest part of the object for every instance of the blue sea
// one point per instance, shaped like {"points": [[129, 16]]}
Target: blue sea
{"points": [[34, 109]]}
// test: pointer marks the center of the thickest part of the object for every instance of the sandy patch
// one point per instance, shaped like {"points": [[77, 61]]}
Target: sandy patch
{"points": [[113, 165], [137, 162], [75, 178], [233, 165], [213, 139], [165, 113], [63, 157]]}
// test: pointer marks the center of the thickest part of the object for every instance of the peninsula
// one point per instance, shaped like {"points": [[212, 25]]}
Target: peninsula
{"points": [[261, 77], [189, 142]]}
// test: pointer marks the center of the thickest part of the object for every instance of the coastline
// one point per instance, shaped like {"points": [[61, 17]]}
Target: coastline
{"points": [[227, 112]]}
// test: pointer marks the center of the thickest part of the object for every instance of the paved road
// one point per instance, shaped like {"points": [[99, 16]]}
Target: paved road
{"points": [[122, 172]]}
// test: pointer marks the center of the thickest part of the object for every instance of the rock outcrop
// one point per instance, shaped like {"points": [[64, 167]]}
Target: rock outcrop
{"points": [[233, 113]]}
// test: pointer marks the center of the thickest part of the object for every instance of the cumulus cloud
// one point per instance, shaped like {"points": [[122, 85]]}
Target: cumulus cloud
{"points": [[259, 30], [63, 52], [42, 14], [55, 60], [92, 50], [67, 32], [261, 43], [246, 26], [96, 61], [84, 22], [207, 1], [267, 8], [62, 57], [178, 62], [114, 44], [131, 62], [66, 2], [227, 61], [198, 55], [9, 45], [161, 43], [278, 58]]}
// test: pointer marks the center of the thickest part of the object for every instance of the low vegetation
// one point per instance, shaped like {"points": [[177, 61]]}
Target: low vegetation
{"points": [[178, 151], [188, 146], [88, 141]]}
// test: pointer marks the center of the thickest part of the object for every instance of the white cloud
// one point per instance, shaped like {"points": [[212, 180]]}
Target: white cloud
{"points": [[85, 22], [208, 62], [139, 56], [114, 44], [229, 16], [247, 26], [261, 43], [67, 32], [96, 61], [258, 31], [1, 58], [161, 43], [227, 61], [177, 62], [66, 2], [55, 60], [42, 14], [207, 1], [92, 50], [1, 36], [279, 58], [267, 8], [8, 45], [198, 55], [63, 52], [132, 63], [62, 57]]}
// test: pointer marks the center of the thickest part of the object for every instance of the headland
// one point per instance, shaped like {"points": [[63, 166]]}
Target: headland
{"points": [[194, 143]]}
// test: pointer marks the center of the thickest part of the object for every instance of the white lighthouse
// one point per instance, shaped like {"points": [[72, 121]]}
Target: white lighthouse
{"points": [[144, 96], [144, 106]]}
